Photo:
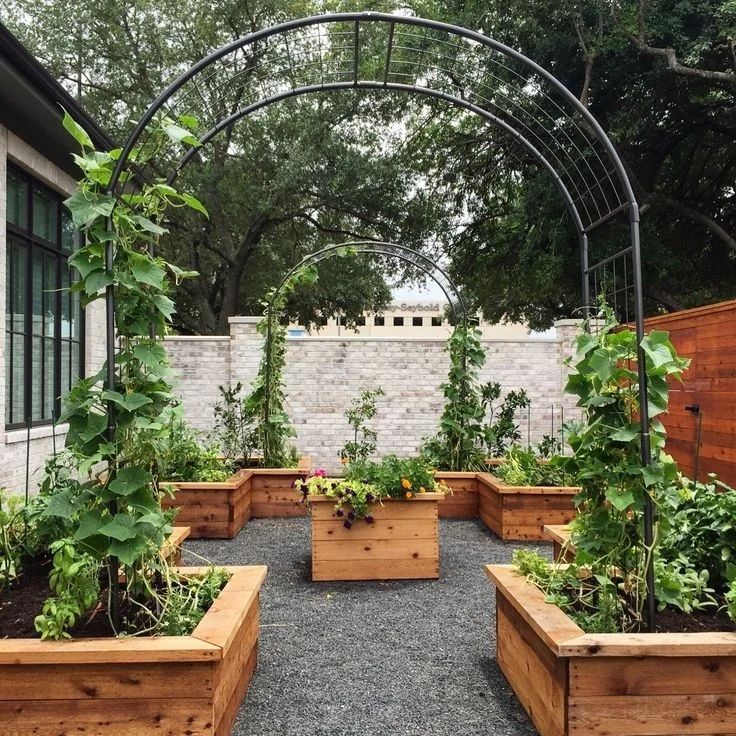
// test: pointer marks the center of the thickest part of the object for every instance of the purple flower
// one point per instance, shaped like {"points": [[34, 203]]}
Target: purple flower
{"points": [[369, 519], [339, 512], [347, 524], [351, 515], [369, 497]]}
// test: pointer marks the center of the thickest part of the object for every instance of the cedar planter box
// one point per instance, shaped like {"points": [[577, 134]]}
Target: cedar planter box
{"points": [[401, 544], [221, 510], [576, 684], [463, 502], [273, 493], [136, 685], [562, 549], [521, 512], [171, 549]]}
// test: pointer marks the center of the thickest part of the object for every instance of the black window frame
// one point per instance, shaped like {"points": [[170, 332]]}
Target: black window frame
{"points": [[436, 321], [33, 244], [417, 321], [398, 322], [379, 321]]}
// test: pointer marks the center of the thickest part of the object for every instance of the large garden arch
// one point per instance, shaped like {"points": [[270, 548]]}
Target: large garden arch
{"points": [[394, 250], [384, 52]]}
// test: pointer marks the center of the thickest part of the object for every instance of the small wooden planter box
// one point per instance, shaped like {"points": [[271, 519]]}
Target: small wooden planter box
{"points": [[576, 684], [521, 512], [220, 510], [135, 685], [463, 502], [402, 543]]}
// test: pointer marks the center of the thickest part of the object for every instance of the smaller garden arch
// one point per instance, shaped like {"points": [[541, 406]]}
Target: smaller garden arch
{"points": [[395, 250]]}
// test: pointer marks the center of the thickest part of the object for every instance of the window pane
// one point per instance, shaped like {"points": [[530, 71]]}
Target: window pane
{"points": [[17, 200], [16, 400], [18, 296], [49, 296], [49, 374], [70, 239], [76, 362], [45, 215], [8, 379], [37, 381], [37, 293], [65, 366]]}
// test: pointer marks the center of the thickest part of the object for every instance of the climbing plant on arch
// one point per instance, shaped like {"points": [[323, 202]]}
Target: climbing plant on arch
{"points": [[382, 53]]}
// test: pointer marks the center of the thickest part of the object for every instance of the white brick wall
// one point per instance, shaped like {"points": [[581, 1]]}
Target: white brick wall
{"points": [[324, 374], [14, 447]]}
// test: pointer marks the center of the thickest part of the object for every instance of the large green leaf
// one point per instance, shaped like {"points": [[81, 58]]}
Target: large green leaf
{"points": [[122, 528], [129, 480]]}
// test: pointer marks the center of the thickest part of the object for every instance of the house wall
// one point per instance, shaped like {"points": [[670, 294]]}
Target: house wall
{"points": [[16, 451], [323, 374]]}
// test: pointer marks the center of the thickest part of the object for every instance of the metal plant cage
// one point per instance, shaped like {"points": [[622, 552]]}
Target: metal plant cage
{"points": [[380, 53]]}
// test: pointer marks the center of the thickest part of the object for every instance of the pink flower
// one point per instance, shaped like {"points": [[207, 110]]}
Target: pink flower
{"points": [[319, 473]]}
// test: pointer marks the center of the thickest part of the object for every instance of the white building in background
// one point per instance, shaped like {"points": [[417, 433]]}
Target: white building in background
{"points": [[49, 341], [409, 318]]}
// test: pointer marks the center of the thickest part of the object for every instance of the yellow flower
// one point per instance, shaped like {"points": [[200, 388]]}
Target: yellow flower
{"points": [[422, 489], [406, 483], [408, 495], [344, 460]]}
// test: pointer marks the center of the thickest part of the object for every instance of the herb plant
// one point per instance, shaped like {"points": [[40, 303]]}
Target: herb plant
{"points": [[501, 430], [521, 467], [235, 424], [184, 457], [361, 411]]}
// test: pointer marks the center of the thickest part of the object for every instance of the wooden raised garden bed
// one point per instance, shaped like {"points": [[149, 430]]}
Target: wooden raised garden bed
{"points": [[220, 510], [401, 543], [521, 512], [462, 503], [562, 548], [576, 684], [171, 549], [137, 685]]}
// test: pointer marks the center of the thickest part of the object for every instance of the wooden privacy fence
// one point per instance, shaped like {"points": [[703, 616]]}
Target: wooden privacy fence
{"points": [[703, 435]]}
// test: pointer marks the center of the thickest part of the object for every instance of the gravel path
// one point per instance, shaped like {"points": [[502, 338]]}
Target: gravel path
{"points": [[405, 658]]}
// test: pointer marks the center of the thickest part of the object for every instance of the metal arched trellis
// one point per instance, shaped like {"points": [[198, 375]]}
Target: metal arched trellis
{"points": [[379, 53], [380, 248]]}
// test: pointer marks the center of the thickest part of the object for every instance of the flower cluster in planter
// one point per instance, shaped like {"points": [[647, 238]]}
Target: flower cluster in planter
{"points": [[366, 483]]}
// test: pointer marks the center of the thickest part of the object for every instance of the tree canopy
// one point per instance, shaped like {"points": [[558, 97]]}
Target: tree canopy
{"points": [[660, 75]]}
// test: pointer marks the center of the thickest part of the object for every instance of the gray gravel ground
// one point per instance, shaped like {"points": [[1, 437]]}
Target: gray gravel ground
{"points": [[405, 658]]}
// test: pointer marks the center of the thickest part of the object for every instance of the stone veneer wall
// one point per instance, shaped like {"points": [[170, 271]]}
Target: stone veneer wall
{"points": [[324, 374], [14, 447]]}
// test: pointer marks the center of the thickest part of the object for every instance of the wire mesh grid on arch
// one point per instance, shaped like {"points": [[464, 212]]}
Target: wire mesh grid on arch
{"points": [[392, 53]]}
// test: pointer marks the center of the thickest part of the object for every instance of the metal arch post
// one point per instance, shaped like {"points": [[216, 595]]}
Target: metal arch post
{"points": [[646, 450], [585, 273]]}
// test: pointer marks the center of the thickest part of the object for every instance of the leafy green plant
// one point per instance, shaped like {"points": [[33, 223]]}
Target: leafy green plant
{"points": [[501, 430], [235, 423], [352, 497], [17, 537], [458, 444], [184, 457], [362, 410], [267, 398], [396, 477], [521, 467], [115, 516]]}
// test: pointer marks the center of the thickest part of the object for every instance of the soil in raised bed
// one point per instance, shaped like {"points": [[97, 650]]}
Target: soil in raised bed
{"points": [[20, 605], [672, 621]]}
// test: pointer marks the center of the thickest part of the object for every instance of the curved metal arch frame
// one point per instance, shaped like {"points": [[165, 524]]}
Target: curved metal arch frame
{"points": [[629, 203], [376, 247]]}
